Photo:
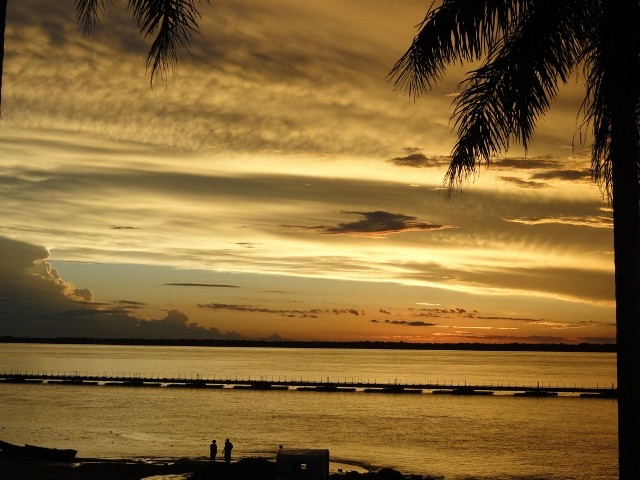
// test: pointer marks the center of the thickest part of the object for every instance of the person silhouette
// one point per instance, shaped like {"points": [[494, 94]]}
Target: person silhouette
{"points": [[213, 450], [226, 451]]}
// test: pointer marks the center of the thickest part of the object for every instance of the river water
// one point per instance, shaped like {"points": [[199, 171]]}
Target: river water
{"points": [[458, 437]]}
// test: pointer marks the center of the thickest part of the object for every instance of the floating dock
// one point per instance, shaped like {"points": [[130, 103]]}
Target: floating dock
{"points": [[300, 384]]}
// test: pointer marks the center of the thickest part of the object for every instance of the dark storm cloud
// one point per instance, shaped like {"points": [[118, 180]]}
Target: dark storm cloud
{"points": [[123, 227], [376, 223], [36, 302]]}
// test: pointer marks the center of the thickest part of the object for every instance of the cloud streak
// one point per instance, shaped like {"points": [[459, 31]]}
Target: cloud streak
{"points": [[308, 313], [374, 224], [590, 221], [416, 159], [409, 323]]}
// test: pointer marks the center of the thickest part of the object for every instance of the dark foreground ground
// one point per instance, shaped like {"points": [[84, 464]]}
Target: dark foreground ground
{"points": [[101, 469]]}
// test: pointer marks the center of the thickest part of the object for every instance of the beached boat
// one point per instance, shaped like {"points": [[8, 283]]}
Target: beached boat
{"points": [[31, 451]]}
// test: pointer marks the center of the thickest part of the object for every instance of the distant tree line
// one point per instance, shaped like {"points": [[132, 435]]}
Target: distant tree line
{"points": [[363, 345]]}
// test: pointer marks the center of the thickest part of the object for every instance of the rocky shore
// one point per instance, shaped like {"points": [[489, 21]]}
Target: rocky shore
{"points": [[192, 469]]}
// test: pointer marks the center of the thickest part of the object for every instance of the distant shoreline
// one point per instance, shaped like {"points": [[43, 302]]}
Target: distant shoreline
{"points": [[362, 345]]}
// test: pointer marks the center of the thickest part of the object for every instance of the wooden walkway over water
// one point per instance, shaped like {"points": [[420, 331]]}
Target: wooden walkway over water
{"points": [[301, 384]]}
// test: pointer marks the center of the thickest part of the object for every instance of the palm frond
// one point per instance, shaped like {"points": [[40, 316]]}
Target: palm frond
{"points": [[175, 22], [457, 31], [606, 84], [502, 100], [598, 117], [88, 12]]}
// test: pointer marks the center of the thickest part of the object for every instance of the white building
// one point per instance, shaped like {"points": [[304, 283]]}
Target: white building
{"points": [[302, 464]]}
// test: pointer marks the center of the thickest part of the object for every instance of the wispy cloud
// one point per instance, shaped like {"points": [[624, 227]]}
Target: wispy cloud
{"points": [[524, 163], [567, 175], [513, 319], [416, 159], [411, 323], [302, 313], [556, 325], [442, 312], [523, 183], [586, 221]]}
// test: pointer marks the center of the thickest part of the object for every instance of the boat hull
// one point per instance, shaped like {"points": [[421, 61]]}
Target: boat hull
{"points": [[32, 451]]}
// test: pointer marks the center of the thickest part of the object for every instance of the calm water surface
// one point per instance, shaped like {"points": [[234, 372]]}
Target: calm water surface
{"points": [[490, 437]]}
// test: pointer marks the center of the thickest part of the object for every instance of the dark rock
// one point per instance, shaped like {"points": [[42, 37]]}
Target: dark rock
{"points": [[389, 474], [244, 469]]}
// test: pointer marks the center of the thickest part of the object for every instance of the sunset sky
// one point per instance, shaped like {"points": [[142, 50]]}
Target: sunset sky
{"points": [[278, 187]]}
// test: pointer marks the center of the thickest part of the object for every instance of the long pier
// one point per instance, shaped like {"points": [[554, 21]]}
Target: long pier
{"points": [[300, 384]]}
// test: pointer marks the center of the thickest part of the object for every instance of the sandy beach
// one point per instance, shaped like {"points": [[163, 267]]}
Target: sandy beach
{"points": [[168, 469]]}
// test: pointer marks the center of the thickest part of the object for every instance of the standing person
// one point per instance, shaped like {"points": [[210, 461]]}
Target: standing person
{"points": [[226, 451], [213, 450]]}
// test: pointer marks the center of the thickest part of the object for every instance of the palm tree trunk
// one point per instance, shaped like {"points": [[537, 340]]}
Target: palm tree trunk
{"points": [[626, 239], [622, 84], [626, 234], [3, 22]]}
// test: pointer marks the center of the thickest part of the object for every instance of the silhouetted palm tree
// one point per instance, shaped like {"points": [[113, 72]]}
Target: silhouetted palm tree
{"points": [[172, 22], [527, 48]]}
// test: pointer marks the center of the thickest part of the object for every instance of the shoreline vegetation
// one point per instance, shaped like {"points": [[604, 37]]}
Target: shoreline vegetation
{"points": [[250, 468], [366, 345]]}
